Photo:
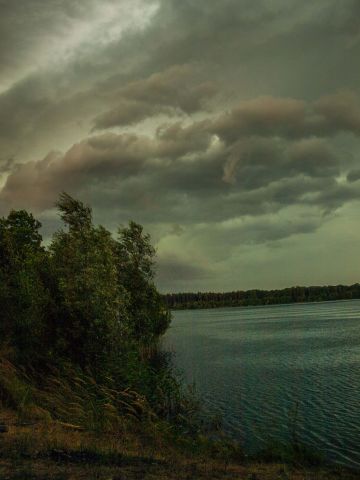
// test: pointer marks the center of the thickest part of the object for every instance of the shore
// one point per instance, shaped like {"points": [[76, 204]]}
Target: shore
{"points": [[42, 450], [172, 471]]}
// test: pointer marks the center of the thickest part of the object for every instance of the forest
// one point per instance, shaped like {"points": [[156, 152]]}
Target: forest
{"points": [[261, 297]]}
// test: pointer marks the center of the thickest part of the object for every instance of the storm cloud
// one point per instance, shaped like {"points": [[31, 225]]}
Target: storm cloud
{"points": [[169, 92], [236, 121]]}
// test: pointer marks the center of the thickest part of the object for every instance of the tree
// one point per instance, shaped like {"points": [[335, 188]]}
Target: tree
{"points": [[92, 305], [147, 315], [88, 298], [24, 295]]}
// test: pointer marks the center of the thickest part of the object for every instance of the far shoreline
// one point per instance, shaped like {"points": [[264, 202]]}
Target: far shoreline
{"points": [[266, 305], [257, 298]]}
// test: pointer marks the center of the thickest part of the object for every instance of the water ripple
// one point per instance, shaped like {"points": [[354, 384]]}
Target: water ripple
{"points": [[257, 365]]}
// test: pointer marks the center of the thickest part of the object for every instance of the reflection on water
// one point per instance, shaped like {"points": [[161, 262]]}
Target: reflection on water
{"points": [[256, 364]]}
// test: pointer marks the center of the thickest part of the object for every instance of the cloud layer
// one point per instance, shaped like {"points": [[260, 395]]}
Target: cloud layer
{"points": [[229, 129]]}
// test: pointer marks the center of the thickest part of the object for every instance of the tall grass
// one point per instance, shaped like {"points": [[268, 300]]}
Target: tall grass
{"points": [[66, 412], [67, 394], [70, 396]]}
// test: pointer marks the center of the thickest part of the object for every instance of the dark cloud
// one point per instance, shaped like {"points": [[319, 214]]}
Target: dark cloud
{"points": [[54, 59], [262, 116], [26, 26], [34, 32], [37, 183], [85, 70], [171, 269], [237, 120], [339, 112], [7, 165], [334, 197], [252, 163], [260, 230], [188, 170], [259, 46], [290, 118], [173, 90], [353, 176]]}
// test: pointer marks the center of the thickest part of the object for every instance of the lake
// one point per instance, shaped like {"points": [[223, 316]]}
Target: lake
{"points": [[257, 366]]}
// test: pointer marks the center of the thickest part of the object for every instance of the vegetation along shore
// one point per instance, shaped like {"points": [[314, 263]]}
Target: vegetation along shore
{"points": [[85, 391], [240, 298]]}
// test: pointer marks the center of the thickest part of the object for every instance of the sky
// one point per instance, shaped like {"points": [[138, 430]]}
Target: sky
{"points": [[230, 130]]}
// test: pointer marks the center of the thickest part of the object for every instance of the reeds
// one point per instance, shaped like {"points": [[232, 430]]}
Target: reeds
{"points": [[70, 396]]}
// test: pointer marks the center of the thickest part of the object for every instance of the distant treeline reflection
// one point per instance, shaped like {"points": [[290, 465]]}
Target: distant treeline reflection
{"points": [[261, 297]]}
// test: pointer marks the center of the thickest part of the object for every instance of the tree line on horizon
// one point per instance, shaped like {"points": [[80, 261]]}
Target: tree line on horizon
{"points": [[241, 298]]}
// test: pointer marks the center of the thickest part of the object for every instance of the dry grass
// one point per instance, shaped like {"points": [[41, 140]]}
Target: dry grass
{"points": [[69, 396], [54, 451], [69, 427]]}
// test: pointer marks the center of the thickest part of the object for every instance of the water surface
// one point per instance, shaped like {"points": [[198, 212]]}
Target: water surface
{"points": [[258, 365]]}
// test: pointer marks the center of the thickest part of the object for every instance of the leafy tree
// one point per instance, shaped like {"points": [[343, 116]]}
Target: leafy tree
{"points": [[92, 305], [88, 298], [24, 295], [148, 318]]}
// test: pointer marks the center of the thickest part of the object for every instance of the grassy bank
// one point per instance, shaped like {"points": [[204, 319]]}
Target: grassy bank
{"points": [[70, 427], [56, 451]]}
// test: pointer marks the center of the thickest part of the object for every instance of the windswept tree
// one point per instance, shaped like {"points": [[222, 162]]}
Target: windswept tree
{"points": [[147, 315], [92, 304], [88, 298], [24, 295]]}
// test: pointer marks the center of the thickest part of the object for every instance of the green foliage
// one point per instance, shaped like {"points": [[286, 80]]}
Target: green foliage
{"points": [[261, 297], [24, 295], [147, 315], [92, 302], [88, 298]]}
